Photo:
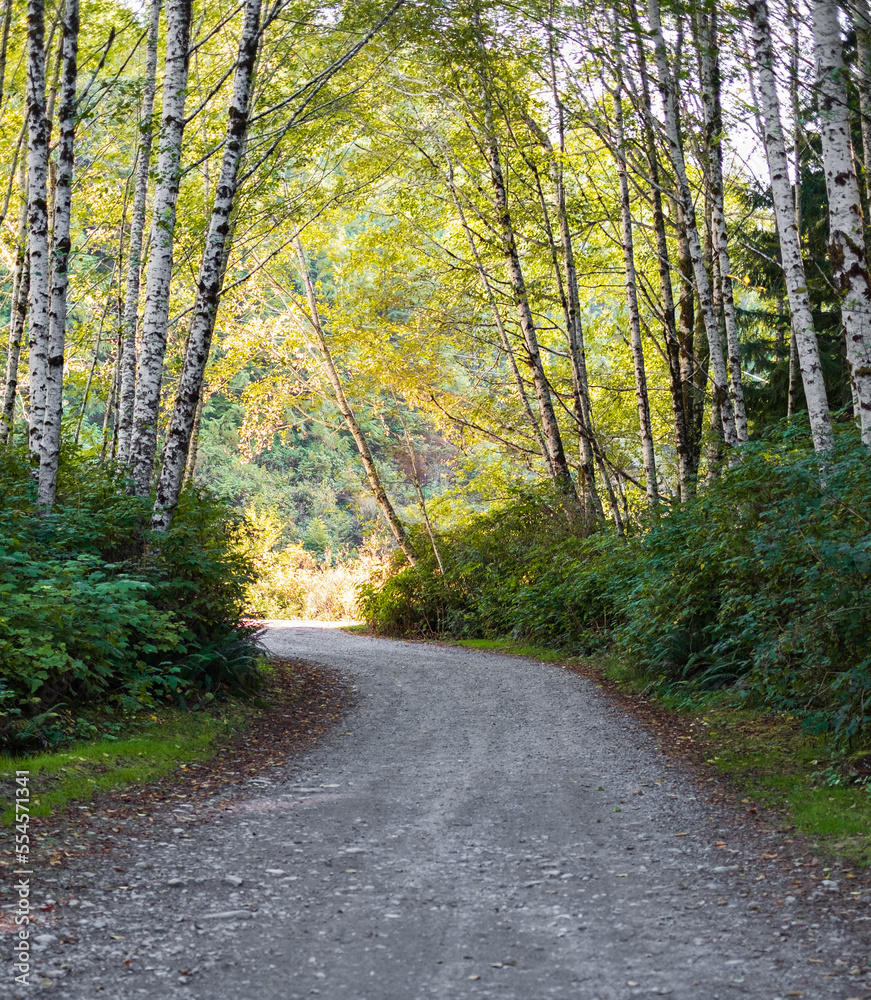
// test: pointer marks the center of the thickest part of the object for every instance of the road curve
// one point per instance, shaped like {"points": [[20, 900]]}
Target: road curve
{"points": [[477, 826]]}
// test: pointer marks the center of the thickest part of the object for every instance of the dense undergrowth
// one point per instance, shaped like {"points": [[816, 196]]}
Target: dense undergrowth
{"points": [[759, 584], [99, 616]]}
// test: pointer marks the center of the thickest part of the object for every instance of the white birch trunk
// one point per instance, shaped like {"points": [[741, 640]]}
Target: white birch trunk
{"points": [[680, 365], [137, 230], [60, 260], [193, 447], [636, 345], [846, 235], [804, 334], [375, 484], [709, 61], [149, 371], [703, 285], [4, 44], [497, 318], [37, 221], [17, 319], [550, 427], [567, 287], [575, 327], [210, 277], [572, 299]]}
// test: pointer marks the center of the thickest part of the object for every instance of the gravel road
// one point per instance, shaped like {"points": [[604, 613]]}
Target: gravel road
{"points": [[477, 826]]}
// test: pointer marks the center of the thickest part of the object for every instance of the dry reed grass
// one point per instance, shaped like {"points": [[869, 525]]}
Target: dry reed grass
{"points": [[292, 583]]}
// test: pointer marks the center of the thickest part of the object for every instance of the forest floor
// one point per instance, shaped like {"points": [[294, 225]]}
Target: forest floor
{"points": [[475, 825]]}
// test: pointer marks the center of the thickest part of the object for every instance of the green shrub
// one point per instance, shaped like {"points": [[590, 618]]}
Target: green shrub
{"points": [[95, 608], [761, 582]]}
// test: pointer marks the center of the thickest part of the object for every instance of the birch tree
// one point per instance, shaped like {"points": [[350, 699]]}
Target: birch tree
{"points": [[149, 371], [846, 234], [18, 317], [210, 277], [550, 426], [679, 350], [711, 101], [694, 244], [487, 287], [635, 340], [396, 526], [787, 228], [572, 299], [60, 259], [37, 222], [127, 392]]}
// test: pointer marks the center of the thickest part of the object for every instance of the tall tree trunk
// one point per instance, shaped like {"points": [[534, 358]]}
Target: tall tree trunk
{"points": [[846, 235], [382, 499], [613, 505], [137, 230], [795, 102], [803, 333], [570, 300], [108, 430], [714, 452], [636, 344], [210, 277], [575, 331], [550, 427], [193, 448], [60, 260], [710, 65], [149, 371], [574, 323], [37, 221], [18, 317], [497, 317], [679, 352], [702, 283], [4, 45], [693, 379]]}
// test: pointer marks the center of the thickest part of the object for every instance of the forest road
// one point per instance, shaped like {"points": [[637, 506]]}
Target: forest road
{"points": [[476, 826]]}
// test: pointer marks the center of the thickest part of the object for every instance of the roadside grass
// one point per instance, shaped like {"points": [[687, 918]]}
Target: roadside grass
{"points": [[148, 746], [777, 763], [771, 760]]}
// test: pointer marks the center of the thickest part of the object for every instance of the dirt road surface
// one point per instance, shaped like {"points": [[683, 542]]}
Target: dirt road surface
{"points": [[476, 826]]}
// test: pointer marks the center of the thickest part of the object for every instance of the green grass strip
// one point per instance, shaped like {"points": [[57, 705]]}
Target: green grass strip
{"points": [[154, 746]]}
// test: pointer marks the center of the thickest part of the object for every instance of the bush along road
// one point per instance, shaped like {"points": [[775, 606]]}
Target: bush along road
{"points": [[475, 825]]}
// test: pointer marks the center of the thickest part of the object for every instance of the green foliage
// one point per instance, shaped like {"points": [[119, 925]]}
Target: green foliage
{"points": [[92, 610], [761, 582], [525, 568], [141, 749]]}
